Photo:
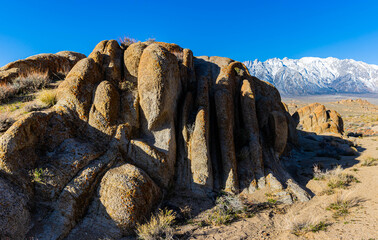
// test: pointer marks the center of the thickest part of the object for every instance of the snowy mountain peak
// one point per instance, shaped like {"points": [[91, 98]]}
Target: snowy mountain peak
{"points": [[313, 75]]}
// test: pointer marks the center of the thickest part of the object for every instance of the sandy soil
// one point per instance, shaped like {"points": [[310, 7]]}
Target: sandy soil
{"points": [[276, 222]]}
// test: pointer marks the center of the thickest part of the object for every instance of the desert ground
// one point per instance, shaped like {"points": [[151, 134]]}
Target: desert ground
{"points": [[279, 221], [270, 219]]}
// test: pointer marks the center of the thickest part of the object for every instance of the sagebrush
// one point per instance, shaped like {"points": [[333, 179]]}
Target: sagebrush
{"points": [[23, 85], [228, 208]]}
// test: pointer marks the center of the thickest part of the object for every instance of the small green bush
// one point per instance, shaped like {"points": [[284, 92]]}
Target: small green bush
{"points": [[38, 175]]}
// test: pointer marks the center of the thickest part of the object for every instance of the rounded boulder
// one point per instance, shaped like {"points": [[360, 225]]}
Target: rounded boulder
{"points": [[128, 195]]}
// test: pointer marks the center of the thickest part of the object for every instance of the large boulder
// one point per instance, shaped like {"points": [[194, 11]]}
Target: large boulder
{"points": [[128, 195], [316, 118]]}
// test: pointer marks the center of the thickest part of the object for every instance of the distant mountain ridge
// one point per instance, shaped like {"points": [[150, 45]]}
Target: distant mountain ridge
{"points": [[312, 75]]}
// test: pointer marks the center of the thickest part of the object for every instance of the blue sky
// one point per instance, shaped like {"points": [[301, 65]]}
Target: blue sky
{"points": [[241, 30]]}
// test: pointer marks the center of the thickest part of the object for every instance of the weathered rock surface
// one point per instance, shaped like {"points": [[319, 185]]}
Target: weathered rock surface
{"points": [[128, 195], [316, 118], [50, 63], [14, 214], [132, 123]]}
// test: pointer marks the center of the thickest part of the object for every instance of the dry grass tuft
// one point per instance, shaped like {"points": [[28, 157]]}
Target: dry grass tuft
{"points": [[186, 212], [300, 227], [370, 161], [48, 97], [341, 181], [328, 174], [342, 205], [335, 178], [158, 228]]}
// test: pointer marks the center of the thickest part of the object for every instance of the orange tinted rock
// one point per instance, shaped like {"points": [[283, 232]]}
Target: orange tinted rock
{"points": [[316, 118], [42, 63]]}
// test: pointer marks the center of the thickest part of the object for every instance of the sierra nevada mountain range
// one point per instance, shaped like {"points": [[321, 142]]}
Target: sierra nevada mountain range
{"points": [[312, 75]]}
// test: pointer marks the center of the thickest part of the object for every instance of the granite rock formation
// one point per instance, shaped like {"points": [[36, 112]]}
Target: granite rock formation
{"points": [[132, 123], [316, 118]]}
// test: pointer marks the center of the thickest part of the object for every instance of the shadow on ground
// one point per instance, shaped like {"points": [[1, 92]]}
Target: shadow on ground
{"points": [[324, 151]]}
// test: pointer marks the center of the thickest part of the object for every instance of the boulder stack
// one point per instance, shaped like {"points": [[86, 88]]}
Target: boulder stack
{"points": [[132, 123], [316, 118]]}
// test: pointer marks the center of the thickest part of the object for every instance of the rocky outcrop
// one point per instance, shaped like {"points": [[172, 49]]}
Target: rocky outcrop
{"points": [[316, 118], [136, 122], [50, 63]]}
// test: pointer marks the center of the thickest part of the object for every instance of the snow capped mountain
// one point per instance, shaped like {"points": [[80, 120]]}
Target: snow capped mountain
{"points": [[312, 75]]}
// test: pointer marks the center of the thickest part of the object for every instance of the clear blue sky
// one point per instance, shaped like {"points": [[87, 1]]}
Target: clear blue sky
{"points": [[241, 30]]}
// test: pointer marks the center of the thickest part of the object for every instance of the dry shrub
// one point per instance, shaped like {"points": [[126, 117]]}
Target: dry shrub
{"points": [[228, 208], [159, 227], [127, 40], [23, 84], [150, 40], [32, 81], [31, 107], [61, 73], [7, 91]]}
